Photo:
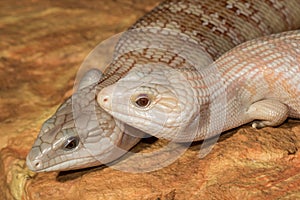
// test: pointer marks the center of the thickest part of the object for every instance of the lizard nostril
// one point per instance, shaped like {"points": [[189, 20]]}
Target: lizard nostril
{"points": [[105, 99], [36, 164]]}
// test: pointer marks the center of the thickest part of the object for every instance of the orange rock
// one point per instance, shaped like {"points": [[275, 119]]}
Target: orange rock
{"points": [[42, 45]]}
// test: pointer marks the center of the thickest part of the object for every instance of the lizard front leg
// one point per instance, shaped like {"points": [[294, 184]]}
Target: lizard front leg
{"points": [[267, 113]]}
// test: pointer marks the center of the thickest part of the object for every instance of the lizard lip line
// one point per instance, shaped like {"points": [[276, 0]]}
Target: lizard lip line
{"points": [[57, 166]]}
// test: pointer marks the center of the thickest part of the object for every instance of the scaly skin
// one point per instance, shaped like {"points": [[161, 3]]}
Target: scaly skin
{"points": [[258, 80], [95, 136]]}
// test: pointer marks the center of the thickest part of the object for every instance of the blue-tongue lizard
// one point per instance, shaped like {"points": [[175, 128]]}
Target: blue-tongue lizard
{"points": [[215, 25]]}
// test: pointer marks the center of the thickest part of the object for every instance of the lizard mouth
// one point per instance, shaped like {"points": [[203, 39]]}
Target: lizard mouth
{"points": [[68, 164]]}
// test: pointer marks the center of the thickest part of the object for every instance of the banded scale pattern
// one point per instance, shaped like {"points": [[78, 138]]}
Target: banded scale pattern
{"points": [[257, 80], [216, 26]]}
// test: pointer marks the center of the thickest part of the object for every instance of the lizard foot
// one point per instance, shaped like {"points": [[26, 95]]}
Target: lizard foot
{"points": [[268, 112]]}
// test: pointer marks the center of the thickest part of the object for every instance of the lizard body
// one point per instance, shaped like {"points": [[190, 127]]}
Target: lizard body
{"points": [[82, 134], [256, 81]]}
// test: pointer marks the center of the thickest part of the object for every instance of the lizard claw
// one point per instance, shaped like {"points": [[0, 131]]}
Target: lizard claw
{"points": [[258, 124]]}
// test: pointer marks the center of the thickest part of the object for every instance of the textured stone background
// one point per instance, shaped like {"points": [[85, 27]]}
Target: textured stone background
{"points": [[41, 48]]}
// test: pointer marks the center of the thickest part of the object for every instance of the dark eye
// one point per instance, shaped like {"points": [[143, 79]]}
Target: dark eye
{"points": [[71, 143], [143, 101]]}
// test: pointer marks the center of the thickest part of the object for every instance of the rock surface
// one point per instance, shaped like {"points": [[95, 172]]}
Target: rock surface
{"points": [[42, 46]]}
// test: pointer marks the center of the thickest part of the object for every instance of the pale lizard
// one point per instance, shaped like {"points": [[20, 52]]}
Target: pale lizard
{"points": [[216, 25], [256, 81]]}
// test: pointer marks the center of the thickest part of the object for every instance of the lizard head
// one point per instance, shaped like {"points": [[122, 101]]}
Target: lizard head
{"points": [[61, 146], [156, 99], [80, 134], [57, 143]]}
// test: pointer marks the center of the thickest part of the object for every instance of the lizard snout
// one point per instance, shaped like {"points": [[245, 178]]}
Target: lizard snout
{"points": [[104, 98]]}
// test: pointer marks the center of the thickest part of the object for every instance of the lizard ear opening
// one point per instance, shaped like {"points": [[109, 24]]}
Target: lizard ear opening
{"points": [[90, 77]]}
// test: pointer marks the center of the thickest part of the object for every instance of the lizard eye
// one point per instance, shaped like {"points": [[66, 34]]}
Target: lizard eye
{"points": [[71, 143], [142, 101]]}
